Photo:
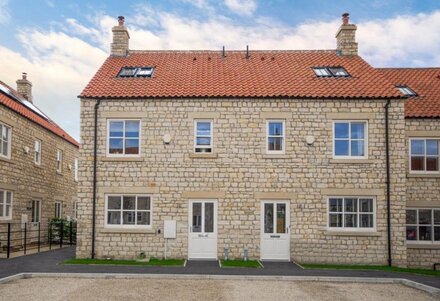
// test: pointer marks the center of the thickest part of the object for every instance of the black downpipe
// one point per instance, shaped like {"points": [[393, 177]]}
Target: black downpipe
{"points": [[388, 181], [95, 153]]}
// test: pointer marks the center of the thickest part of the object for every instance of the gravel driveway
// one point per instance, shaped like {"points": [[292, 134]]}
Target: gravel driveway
{"points": [[190, 289]]}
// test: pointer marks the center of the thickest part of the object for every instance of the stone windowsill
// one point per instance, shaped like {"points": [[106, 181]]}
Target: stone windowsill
{"points": [[351, 161], [274, 156], [5, 221], [121, 159], [422, 246], [127, 231], [423, 175], [351, 233], [60, 173], [38, 165], [9, 160], [203, 156]]}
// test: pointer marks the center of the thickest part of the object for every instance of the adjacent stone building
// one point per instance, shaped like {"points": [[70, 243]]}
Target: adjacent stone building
{"points": [[38, 166], [275, 155]]}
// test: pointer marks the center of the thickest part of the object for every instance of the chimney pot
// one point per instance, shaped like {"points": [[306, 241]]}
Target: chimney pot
{"points": [[345, 18], [121, 20], [24, 75]]}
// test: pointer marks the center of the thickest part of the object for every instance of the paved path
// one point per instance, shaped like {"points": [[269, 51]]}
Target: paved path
{"points": [[50, 262]]}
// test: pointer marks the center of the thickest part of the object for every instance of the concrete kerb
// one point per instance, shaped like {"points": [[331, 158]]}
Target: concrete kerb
{"points": [[410, 283]]}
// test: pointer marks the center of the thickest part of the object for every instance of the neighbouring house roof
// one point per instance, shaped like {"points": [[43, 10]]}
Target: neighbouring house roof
{"points": [[187, 74], [16, 102], [425, 82]]}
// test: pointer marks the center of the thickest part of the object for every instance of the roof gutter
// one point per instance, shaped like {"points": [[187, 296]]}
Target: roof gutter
{"points": [[95, 153], [388, 181]]}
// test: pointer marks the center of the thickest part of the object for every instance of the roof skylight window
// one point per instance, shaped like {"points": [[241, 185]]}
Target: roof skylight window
{"points": [[136, 72], [330, 72], [406, 90]]}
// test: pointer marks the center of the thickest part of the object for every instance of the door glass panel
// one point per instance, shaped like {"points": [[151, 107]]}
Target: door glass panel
{"points": [[209, 217], [268, 218], [197, 217], [281, 218]]}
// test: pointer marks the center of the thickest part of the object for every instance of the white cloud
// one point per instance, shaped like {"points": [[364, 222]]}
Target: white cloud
{"points": [[60, 63], [4, 11], [242, 7]]}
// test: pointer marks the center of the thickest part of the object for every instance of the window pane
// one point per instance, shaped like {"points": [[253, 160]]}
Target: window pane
{"points": [[417, 163], [5, 148], [335, 220], [350, 205], [432, 147], [268, 218], [116, 128], [366, 221], [132, 147], [417, 147], [203, 141], [425, 233], [411, 233], [2, 200], [425, 217], [203, 128], [209, 217], [411, 217], [357, 148], [129, 217], [335, 205], [341, 130], [132, 129], [115, 146], [341, 148], [197, 217], [350, 220], [8, 197], [114, 202], [114, 217], [275, 128], [2, 210], [436, 217], [281, 218], [365, 205], [357, 130], [432, 163], [437, 233], [129, 203], [275, 144], [143, 218], [143, 203]]}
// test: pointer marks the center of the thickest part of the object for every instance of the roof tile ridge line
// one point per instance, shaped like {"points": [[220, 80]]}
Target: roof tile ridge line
{"points": [[140, 51], [408, 68]]}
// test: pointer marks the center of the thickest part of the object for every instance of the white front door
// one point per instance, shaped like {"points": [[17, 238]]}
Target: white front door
{"points": [[32, 227], [202, 242], [275, 228]]}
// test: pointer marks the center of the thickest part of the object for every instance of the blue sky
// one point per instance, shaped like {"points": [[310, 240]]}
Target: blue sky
{"points": [[62, 43]]}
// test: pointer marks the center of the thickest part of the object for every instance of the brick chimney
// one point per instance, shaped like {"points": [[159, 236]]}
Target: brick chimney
{"points": [[24, 87], [119, 47], [346, 37]]}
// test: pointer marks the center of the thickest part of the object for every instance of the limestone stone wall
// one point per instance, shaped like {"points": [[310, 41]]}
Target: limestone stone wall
{"points": [[240, 171], [29, 181], [423, 191]]}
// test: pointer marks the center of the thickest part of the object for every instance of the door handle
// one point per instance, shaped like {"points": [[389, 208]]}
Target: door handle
{"points": [[287, 229]]}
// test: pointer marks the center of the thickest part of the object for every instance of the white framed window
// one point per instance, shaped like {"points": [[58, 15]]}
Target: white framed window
{"points": [[5, 141], [58, 209], [128, 211], [424, 155], [36, 211], [350, 139], [75, 169], [423, 225], [59, 160], [275, 133], [203, 137], [75, 209], [6, 204], [352, 213], [123, 138], [37, 152]]}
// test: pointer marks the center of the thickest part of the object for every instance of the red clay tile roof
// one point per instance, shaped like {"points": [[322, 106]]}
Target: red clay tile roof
{"points": [[264, 74], [425, 82], [16, 106]]}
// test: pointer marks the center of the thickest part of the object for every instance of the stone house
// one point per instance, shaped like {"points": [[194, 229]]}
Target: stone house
{"points": [[274, 155], [38, 165]]}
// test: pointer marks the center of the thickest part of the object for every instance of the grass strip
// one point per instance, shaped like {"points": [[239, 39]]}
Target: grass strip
{"points": [[384, 268], [152, 262], [240, 264]]}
